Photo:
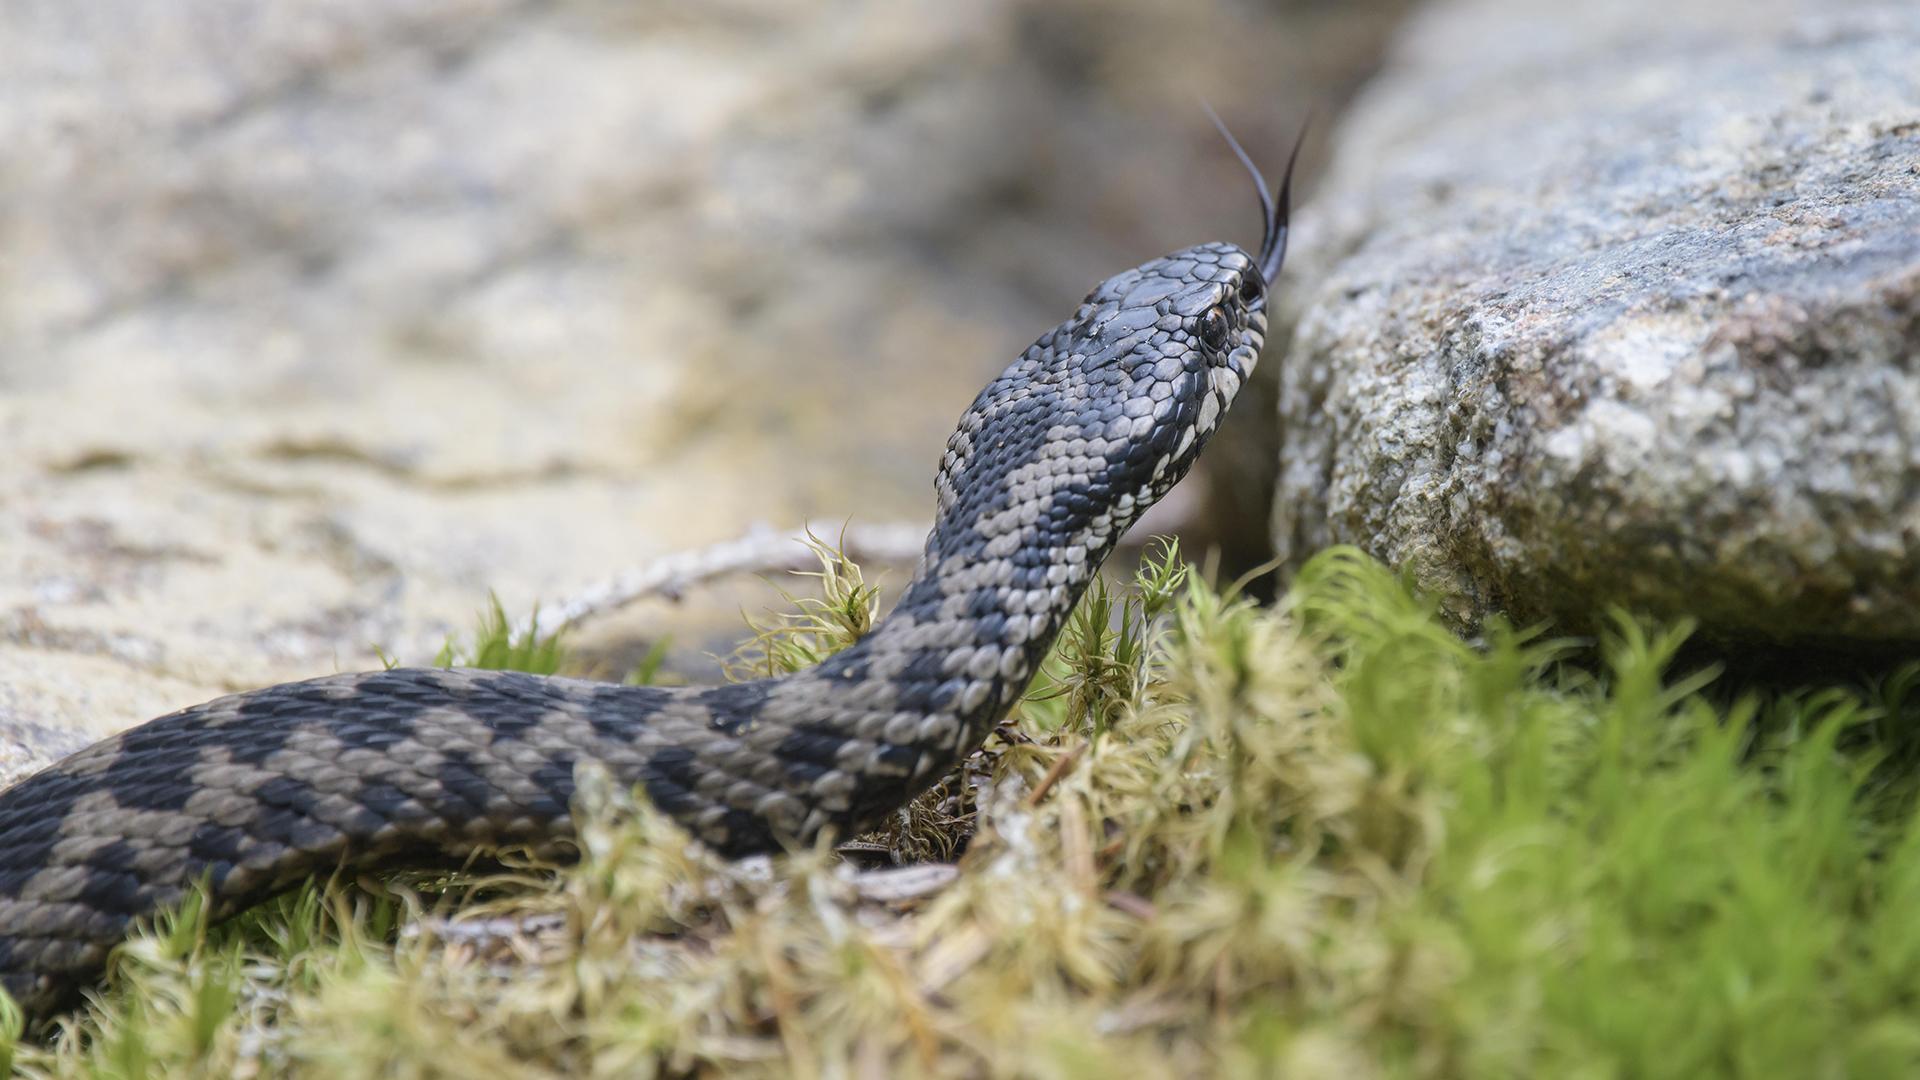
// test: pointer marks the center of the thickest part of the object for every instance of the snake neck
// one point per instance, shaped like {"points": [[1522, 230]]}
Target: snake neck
{"points": [[1029, 507], [965, 638], [959, 649]]}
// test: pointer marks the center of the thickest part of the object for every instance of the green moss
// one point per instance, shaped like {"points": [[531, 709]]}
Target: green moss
{"points": [[1327, 838], [497, 646], [816, 627]]}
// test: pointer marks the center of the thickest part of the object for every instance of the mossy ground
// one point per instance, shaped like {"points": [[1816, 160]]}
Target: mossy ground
{"points": [[1325, 838]]}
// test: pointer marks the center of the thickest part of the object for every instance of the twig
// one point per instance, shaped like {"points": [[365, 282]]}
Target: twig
{"points": [[761, 550], [1061, 766]]}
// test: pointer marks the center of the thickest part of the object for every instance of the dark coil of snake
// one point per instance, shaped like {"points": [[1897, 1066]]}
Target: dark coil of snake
{"points": [[256, 792]]}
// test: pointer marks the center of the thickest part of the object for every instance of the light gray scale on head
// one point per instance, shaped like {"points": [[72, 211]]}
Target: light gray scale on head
{"points": [[256, 792]]}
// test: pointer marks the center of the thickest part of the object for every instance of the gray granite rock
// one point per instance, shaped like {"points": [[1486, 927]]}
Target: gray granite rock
{"points": [[1620, 304]]}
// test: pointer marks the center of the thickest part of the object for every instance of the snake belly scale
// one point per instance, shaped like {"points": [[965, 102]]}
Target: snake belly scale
{"points": [[256, 792]]}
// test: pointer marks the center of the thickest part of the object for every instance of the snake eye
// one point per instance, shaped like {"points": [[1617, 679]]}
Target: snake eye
{"points": [[1213, 328], [1251, 286]]}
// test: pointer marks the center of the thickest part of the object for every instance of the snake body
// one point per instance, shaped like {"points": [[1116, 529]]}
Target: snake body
{"points": [[255, 792]]}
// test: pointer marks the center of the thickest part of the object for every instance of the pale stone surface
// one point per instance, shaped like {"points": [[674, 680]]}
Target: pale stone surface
{"points": [[1625, 310], [320, 321]]}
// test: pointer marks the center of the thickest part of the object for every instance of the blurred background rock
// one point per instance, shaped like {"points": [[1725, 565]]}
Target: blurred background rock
{"points": [[319, 321]]}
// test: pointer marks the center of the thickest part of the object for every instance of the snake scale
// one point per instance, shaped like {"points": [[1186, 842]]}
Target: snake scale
{"points": [[256, 792]]}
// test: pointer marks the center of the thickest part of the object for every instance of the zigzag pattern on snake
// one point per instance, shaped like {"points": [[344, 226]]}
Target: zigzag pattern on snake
{"points": [[253, 793]]}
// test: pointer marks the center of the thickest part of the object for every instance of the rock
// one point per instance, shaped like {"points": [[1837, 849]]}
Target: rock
{"points": [[1624, 311], [318, 323]]}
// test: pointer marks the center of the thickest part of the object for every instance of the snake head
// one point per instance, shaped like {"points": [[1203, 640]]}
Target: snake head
{"points": [[1169, 344], [1106, 412]]}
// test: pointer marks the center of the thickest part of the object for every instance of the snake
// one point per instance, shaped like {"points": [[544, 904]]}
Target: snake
{"points": [[249, 795]]}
